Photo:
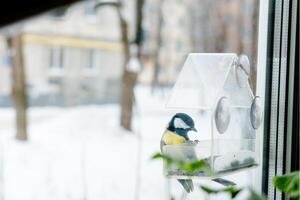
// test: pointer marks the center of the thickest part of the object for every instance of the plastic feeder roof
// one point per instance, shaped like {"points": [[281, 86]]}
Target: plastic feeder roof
{"points": [[205, 78]]}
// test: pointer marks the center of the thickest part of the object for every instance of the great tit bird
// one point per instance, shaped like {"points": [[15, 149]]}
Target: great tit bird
{"points": [[177, 133]]}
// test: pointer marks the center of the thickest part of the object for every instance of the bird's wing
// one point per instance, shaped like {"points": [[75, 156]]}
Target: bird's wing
{"points": [[187, 184], [181, 152], [171, 138], [190, 153], [162, 144]]}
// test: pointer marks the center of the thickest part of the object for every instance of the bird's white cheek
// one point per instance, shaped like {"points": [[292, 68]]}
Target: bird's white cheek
{"points": [[178, 123]]}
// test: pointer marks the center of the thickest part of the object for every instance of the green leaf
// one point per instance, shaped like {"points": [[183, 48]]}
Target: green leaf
{"points": [[166, 158], [188, 167], [288, 184], [193, 166], [254, 196], [210, 190], [231, 190], [157, 155]]}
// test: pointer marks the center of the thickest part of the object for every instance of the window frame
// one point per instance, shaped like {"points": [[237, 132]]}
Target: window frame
{"points": [[279, 94]]}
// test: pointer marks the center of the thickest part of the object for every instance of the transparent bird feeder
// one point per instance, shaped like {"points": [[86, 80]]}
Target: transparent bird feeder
{"points": [[214, 90]]}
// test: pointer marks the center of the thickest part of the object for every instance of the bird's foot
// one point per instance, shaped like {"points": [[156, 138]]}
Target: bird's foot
{"points": [[193, 142], [196, 141]]}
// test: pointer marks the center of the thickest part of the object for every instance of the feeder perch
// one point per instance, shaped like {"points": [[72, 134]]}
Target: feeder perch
{"points": [[214, 89]]}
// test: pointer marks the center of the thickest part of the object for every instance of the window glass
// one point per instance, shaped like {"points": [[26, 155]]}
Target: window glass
{"points": [[88, 58], [90, 9], [56, 57], [92, 99]]}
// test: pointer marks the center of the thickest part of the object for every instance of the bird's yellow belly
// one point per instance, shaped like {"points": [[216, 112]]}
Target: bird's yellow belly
{"points": [[170, 138]]}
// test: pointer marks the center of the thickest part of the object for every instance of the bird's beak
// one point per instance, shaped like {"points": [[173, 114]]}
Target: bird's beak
{"points": [[194, 129]]}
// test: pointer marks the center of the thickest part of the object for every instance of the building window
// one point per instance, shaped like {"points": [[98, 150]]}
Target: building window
{"points": [[89, 9], [88, 59], [90, 12], [56, 57], [59, 13]]}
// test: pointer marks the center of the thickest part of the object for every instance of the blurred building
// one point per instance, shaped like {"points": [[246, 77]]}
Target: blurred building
{"points": [[206, 26], [72, 56]]}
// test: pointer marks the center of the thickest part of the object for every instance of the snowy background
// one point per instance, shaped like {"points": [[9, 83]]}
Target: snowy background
{"points": [[81, 153]]}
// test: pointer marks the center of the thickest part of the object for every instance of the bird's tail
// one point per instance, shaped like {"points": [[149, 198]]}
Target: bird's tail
{"points": [[187, 185]]}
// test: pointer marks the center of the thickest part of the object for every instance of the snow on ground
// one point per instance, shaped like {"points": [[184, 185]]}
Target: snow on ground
{"points": [[81, 153]]}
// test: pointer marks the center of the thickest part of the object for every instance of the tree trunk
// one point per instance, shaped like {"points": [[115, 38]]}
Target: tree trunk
{"points": [[139, 26], [156, 70], [18, 86], [127, 98], [128, 79]]}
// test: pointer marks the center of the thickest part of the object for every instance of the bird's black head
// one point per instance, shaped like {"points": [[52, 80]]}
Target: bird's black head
{"points": [[181, 122]]}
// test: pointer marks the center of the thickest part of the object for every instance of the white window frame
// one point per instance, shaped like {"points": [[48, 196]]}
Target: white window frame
{"points": [[261, 80]]}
